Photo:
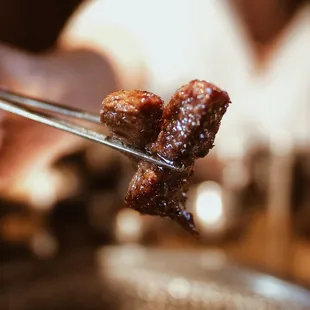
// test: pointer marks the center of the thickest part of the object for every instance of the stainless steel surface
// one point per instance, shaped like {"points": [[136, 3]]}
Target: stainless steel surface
{"points": [[137, 278], [156, 279], [50, 107], [10, 102]]}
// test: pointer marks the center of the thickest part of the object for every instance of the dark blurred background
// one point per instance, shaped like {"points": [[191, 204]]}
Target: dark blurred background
{"points": [[59, 242], [34, 25]]}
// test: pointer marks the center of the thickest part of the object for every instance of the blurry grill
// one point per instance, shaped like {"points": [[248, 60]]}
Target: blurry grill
{"points": [[155, 279], [134, 278]]}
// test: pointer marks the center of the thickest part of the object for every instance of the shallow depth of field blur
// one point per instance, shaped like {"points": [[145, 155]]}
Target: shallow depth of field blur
{"points": [[253, 209]]}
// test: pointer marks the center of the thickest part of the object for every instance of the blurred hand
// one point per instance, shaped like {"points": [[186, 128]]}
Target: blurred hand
{"points": [[26, 146]]}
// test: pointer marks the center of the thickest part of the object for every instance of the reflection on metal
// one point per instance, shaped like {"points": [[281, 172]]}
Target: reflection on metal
{"points": [[128, 226], [183, 280], [23, 106], [179, 288], [206, 202], [209, 204]]}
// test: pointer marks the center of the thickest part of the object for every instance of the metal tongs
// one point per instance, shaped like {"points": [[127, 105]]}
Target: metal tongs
{"points": [[24, 106]]}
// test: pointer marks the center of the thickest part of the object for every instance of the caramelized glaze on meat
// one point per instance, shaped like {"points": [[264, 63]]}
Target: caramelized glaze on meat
{"points": [[190, 122], [133, 116], [189, 125], [157, 191]]}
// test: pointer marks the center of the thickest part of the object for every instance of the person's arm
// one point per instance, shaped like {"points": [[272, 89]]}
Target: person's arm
{"points": [[114, 31], [98, 52], [75, 74], [79, 78]]}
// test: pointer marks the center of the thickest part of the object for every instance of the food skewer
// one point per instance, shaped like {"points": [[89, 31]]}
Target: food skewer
{"points": [[23, 106], [141, 126]]}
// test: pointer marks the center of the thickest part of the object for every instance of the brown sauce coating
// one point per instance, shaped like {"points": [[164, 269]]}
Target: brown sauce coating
{"points": [[133, 116], [157, 191], [189, 125], [190, 122]]}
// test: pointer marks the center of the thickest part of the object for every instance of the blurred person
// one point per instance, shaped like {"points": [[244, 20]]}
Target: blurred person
{"points": [[256, 50]]}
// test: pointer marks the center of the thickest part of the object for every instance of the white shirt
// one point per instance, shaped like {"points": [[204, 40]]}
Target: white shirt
{"points": [[169, 43]]}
